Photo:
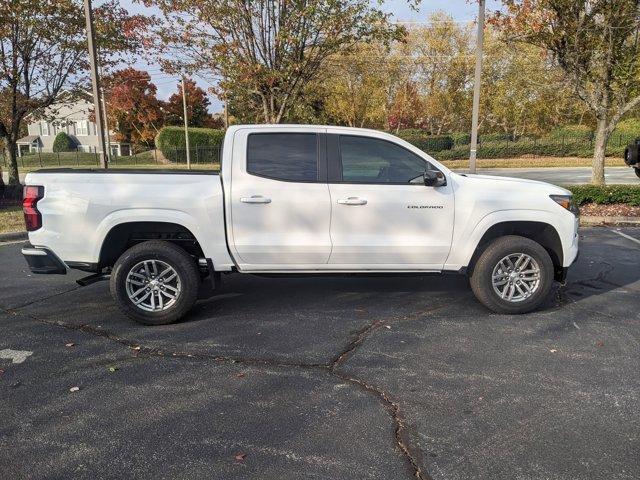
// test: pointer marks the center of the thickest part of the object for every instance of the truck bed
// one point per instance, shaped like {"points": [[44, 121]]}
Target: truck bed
{"points": [[81, 206]]}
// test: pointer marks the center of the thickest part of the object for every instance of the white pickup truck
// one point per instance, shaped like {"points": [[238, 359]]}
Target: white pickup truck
{"points": [[294, 199]]}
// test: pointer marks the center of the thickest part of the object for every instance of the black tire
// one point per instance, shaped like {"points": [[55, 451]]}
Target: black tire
{"points": [[184, 266], [481, 277], [637, 170]]}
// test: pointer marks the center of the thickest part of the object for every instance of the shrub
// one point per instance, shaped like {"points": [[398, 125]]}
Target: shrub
{"points": [[427, 143], [582, 194], [461, 138], [494, 137], [629, 127], [204, 144], [571, 131], [62, 143]]}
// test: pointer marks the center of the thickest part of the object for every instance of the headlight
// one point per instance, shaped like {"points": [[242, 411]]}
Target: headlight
{"points": [[566, 201]]}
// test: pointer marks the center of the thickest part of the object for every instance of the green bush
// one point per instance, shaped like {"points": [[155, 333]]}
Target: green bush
{"points": [[571, 131], [427, 143], [62, 143], [461, 138], [204, 144], [582, 194], [544, 147], [629, 127], [494, 137]]}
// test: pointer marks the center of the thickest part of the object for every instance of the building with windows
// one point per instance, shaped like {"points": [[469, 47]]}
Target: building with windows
{"points": [[72, 116]]}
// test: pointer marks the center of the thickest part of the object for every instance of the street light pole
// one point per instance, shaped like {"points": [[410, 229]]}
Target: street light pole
{"points": [[186, 129], [95, 82], [476, 88]]}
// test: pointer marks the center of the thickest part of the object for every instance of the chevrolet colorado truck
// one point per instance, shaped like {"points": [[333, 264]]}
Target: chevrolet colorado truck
{"points": [[295, 199]]}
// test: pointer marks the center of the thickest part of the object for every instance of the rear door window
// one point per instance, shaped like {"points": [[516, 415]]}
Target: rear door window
{"points": [[290, 157]]}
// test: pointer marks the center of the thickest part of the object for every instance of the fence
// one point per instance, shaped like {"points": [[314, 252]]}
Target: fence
{"points": [[502, 146], [441, 147], [202, 157]]}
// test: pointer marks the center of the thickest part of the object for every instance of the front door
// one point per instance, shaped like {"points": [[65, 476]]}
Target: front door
{"points": [[280, 206], [383, 216]]}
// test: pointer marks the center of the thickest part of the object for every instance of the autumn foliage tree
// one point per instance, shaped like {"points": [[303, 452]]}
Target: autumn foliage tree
{"points": [[268, 50], [133, 111], [197, 106], [43, 50], [596, 43]]}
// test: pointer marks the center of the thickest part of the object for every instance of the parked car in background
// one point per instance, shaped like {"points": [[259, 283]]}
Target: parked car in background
{"points": [[632, 156], [294, 199]]}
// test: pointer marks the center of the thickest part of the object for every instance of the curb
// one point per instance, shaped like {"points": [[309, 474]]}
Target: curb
{"points": [[13, 236], [591, 221]]}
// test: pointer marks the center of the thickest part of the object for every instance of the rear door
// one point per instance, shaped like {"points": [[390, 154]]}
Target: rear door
{"points": [[280, 206], [384, 217]]}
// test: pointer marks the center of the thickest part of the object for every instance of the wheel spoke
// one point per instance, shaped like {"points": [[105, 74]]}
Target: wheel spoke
{"points": [[170, 277], [167, 294], [141, 299], [147, 288], [516, 277]]}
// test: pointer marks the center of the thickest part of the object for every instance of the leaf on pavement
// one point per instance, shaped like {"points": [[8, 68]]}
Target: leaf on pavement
{"points": [[74, 389], [240, 456]]}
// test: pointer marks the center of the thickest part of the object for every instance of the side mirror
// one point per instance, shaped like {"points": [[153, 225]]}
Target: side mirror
{"points": [[434, 178]]}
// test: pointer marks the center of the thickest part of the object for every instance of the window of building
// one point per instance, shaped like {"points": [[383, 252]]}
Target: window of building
{"points": [[82, 127]]}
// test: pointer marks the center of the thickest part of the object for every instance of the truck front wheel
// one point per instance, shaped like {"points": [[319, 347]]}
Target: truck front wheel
{"points": [[513, 275], [155, 282]]}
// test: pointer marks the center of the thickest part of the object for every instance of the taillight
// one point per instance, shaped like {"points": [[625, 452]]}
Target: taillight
{"points": [[31, 195]]}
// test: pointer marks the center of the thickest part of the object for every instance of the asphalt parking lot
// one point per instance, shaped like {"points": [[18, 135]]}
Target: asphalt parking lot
{"points": [[332, 378]]}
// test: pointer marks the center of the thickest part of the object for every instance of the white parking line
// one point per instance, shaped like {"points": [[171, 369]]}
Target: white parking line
{"points": [[628, 237]]}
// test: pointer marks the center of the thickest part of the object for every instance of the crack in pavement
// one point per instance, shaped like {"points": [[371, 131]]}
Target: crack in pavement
{"points": [[392, 407], [38, 300]]}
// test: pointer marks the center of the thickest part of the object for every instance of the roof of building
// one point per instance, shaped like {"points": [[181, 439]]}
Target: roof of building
{"points": [[28, 139]]}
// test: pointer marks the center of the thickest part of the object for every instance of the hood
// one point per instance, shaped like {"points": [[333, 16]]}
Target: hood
{"points": [[516, 183]]}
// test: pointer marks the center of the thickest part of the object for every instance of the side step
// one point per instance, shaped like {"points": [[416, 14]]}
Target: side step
{"points": [[91, 279]]}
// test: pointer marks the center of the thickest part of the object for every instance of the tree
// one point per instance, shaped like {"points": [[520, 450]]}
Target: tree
{"points": [[523, 90], [596, 43], [133, 111], [440, 57], [356, 89], [62, 143], [407, 107], [268, 50], [43, 50], [197, 106]]}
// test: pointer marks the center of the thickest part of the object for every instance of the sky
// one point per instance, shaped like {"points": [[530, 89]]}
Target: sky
{"points": [[460, 10]]}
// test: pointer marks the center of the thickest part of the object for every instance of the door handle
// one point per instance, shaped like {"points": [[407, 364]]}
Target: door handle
{"points": [[255, 199], [352, 201]]}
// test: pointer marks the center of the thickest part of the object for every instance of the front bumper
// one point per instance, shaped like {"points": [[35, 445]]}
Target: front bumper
{"points": [[43, 260]]}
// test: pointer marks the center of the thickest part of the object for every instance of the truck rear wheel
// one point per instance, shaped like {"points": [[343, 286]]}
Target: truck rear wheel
{"points": [[513, 275], [155, 282]]}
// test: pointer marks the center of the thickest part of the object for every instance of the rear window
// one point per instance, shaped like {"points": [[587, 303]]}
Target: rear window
{"points": [[283, 156]]}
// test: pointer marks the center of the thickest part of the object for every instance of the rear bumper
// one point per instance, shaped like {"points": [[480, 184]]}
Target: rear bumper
{"points": [[43, 260]]}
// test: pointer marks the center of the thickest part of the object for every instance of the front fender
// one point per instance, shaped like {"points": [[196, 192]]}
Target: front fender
{"points": [[466, 239]]}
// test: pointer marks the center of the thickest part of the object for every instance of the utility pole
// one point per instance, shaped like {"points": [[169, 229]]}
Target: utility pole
{"points": [[106, 120], [95, 82], [476, 88], [186, 123]]}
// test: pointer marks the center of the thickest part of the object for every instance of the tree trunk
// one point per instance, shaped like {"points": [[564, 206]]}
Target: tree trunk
{"points": [[602, 136], [12, 150]]}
